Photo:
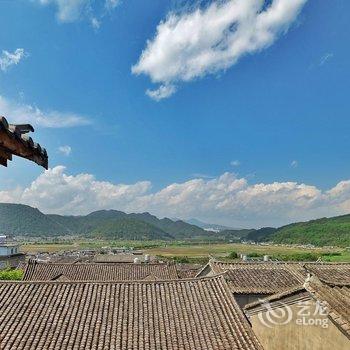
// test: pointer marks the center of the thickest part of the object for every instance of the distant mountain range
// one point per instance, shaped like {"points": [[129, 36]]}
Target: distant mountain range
{"points": [[23, 220], [18, 219]]}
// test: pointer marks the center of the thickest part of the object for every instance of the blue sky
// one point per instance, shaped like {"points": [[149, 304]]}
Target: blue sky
{"points": [[274, 114]]}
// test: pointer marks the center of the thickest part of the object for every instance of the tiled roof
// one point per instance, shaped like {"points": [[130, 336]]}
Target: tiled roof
{"points": [[36, 271], [331, 273], [336, 299], [260, 278], [187, 273], [15, 141], [187, 270], [178, 314]]}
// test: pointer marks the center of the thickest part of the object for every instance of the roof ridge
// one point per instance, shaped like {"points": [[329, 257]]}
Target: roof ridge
{"points": [[163, 281], [35, 262], [271, 262]]}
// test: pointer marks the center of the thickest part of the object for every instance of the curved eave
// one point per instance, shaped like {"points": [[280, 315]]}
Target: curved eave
{"points": [[13, 142]]}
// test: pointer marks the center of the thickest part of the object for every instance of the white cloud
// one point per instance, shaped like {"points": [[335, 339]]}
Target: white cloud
{"points": [[69, 11], [8, 59], [65, 150], [294, 164], [95, 23], [198, 42], [235, 163], [17, 113], [325, 58], [164, 91], [111, 4], [227, 198], [54, 191]]}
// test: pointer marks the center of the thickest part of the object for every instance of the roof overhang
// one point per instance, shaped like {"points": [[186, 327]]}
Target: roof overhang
{"points": [[15, 141]]}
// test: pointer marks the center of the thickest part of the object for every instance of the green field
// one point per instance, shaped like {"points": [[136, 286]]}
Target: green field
{"points": [[197, 250]]}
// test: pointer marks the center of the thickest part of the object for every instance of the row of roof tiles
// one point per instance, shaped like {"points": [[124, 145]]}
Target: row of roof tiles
{"points": [[172, 314], [244, 278], [196, 313], [337, 301], [34, 271], [271, 277]]}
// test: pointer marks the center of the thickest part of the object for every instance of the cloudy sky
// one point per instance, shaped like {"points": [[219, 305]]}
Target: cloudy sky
{"points": [[232, 111]]}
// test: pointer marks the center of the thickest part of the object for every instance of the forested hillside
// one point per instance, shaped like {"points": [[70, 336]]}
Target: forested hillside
{"points": [[322, 232], [17, 219]]}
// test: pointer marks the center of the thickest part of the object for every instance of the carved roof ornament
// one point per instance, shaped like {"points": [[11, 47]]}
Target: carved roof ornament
{"points": [[14, 140]]}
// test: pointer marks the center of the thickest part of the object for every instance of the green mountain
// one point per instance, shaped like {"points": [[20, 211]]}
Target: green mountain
{"points": [[18, 219], [239, 234], [260, 234], [92, 223], [178, 229], [333, 231], [129, 229], [84, 225]]}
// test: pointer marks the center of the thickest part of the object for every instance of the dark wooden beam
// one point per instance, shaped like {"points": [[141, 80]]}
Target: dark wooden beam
{"points": [[15, 141], [5, 154], [3, 161], [14, 145]]}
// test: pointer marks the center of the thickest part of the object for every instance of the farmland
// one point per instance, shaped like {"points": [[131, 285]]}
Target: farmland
{"points": [[194, 250]]}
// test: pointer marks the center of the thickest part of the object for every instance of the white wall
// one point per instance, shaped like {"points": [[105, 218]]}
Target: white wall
{"points": [[8, 250]]}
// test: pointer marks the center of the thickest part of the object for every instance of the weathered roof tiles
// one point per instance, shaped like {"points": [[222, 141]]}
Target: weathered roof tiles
{"points": [[36, 271], [178, 314], [336, 299], [259, 278], [331, 273]]}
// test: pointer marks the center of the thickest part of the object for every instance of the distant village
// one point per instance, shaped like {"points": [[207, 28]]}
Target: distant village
{"points": [[136, 301]]}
